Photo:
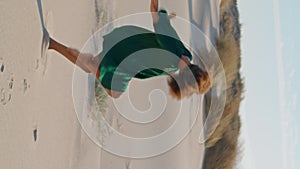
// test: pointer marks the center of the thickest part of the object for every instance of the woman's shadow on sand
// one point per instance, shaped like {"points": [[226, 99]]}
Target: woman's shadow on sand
{"points": [[42, 61]]}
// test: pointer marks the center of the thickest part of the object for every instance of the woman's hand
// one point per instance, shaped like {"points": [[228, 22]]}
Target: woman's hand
{"points": [[172, 15]]}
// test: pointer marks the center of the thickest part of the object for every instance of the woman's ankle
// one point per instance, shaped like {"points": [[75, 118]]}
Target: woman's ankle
{"points": [[51, 43]]}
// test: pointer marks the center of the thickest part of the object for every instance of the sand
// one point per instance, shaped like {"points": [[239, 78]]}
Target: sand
{"points": [[38, 123]]}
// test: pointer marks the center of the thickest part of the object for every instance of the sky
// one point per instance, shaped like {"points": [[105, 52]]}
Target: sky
{"points": [[270, 67]]}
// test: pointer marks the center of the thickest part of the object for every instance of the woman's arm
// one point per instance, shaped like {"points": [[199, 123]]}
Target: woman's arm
{"points": [[154, 10]]}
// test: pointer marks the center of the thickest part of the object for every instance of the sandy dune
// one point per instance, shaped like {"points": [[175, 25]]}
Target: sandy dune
{"points": [[187, 154], [38, 124]]}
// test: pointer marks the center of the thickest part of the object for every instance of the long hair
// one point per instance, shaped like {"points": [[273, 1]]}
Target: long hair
{"points": [[192, 79]]}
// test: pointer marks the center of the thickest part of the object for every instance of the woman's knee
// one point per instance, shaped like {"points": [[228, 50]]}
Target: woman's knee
{"points": [[113, 94]]}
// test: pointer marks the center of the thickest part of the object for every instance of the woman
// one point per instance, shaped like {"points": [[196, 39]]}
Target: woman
{"points": [[134, 52]]}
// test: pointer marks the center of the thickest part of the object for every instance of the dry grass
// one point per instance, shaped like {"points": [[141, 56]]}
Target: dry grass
{"points": [[102, 17], [222, 147], [101, 97]]}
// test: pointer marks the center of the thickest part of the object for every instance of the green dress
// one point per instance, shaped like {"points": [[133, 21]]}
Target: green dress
{"points": [[134, 52]]}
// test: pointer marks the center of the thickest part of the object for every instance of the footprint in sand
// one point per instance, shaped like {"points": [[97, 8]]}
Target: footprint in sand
{"points": [[25, 85], [9, 97], [2, 96], [11, 82], [1, 68], [35, 134], [1, 65], [5, 96]]}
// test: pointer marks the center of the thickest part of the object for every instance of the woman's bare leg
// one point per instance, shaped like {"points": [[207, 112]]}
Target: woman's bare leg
{"points": [[86, 62]]}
